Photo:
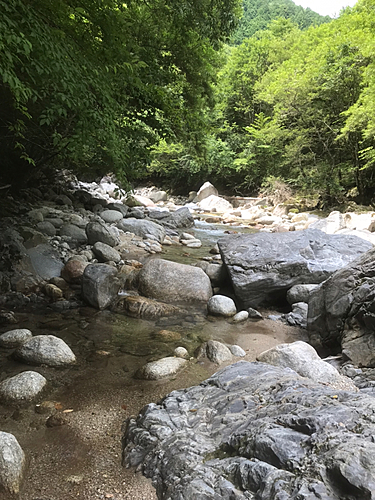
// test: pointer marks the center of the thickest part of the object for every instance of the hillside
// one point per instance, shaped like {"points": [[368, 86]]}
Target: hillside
{"points": [[257, 14]]}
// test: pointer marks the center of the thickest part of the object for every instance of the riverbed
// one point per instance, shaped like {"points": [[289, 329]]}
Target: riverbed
{"points": [[72, 434]]}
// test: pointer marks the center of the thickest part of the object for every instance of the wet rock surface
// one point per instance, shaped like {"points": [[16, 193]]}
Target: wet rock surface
{"points": [[256, 431]]}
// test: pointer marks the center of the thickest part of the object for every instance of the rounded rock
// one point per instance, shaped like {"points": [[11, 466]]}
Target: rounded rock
{"points": [[220, 305], [237, 351], [15, 338], [218, 352], [240, 316], [162, 368], [47, 350], [181, 352], [73, 271], [22, 387], [12, 463]]}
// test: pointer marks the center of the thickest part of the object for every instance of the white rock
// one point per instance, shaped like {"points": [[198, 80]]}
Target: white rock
{"points": [[218, 352], [333, 223], [220, 305], [12, 464], [240, 316], [22, 387], [181, 352], [47, 350], [237, 351], [162, 368], [303, 359], [15, 338], [206, 190], [360, 221], [215, 202]]}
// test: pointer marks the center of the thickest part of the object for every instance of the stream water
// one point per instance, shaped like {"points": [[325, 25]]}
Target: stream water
{"points": [[78, 454]]}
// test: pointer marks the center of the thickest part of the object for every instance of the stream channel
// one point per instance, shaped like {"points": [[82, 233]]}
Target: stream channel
{"points": [[72, 435]]}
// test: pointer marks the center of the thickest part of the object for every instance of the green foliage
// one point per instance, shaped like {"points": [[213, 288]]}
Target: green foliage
{"points": [[257, 15], [94, 84]]}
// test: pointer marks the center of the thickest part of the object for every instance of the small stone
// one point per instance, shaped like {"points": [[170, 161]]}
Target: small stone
{"points": [[218, 352], [220, 305], [181, 352], [73, 271], [162, 368], [56, 420], [240, 316], [15, 338], [254, 314], [236, 350], [53, 291]]}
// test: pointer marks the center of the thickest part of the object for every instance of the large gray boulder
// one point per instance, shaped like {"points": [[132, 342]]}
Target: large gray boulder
{"points": [[256, 431], [100, 285], [12, 465], [142, 227], [263, 266], [342, 313], [173, 282], [46, 350]]}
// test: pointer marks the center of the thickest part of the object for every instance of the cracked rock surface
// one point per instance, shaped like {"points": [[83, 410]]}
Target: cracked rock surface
{"points": [[255, 431]]}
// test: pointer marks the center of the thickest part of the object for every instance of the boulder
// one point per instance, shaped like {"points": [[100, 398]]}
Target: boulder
{"points": [[256, 431], [100, 232], [105, 253], [215, 204], [45, 261], [303, 359], [12, 464], [220, 305], [22, 388], [46, 350], [142, 227], [341, 311], [173, 282], [206, 190], [77, 234], [157, 196], [15, 338], [123, 209], [263, 266], [100, 285], [162, 368]]}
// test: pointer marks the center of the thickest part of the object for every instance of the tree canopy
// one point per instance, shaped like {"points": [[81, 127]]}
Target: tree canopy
{"points": [[92, 84]]}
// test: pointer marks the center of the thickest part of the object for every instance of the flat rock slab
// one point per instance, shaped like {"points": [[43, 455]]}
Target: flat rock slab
{"points": [[263, 266], [22, 388], [255, 431], [46, 350], [162, 368]]}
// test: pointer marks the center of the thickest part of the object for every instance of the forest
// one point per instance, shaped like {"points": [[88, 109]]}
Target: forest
{"points": [[177, 93]]}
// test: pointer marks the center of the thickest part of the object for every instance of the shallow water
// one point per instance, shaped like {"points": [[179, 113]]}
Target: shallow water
{"points": [[81, 458]]}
